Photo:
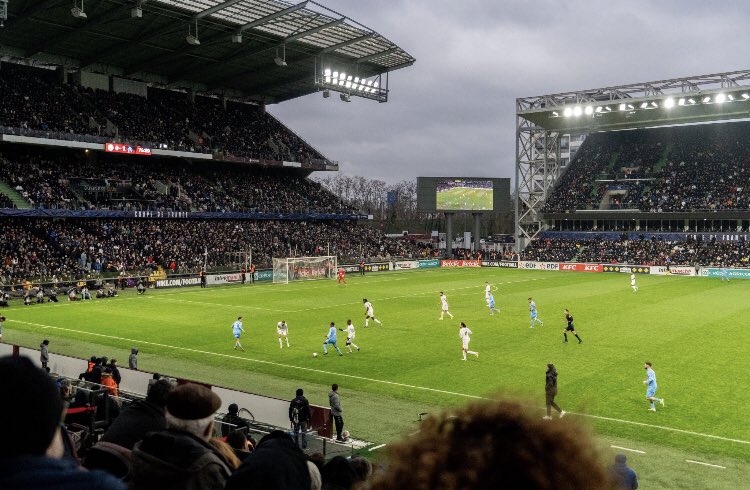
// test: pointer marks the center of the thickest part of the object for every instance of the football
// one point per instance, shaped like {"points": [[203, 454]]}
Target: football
{"points": [[315, 354], [345, 435]]}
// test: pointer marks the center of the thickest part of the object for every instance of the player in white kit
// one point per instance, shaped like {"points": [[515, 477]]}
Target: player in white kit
{"points": [[632, 283], [350, 334], [464, 332], [283, 330], [444, 310], [369, 313]]}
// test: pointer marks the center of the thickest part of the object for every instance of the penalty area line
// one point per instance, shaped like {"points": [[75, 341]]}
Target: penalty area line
{"points": [[705, 464], [373, 380]]}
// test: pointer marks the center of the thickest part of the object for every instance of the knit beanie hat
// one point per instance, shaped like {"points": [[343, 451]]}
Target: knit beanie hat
{"points": [[33, 395], [192, 402]]}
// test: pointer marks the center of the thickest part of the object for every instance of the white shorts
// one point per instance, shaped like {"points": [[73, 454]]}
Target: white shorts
{"points": [[370, 313], [465, 344], [282, 333], [445, 307]]}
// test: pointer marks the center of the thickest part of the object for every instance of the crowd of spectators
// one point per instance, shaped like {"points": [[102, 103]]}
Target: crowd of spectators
{"points": [[77, 180], [673, 169], [41, 248], [643, 252], [37, 99]]}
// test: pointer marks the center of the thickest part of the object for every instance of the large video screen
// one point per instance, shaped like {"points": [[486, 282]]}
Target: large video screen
{"points": [[464, 195]]}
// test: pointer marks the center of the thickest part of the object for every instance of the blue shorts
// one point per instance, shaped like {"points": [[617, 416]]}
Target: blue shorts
{"points": [[651, 391], [533, 314], [236, 336], [329, 341]]}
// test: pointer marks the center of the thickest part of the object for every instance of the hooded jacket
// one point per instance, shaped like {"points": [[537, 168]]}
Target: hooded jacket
{"points": [[550, 385], [276, 464], [44, 348], [174, 459], [133, 359]]}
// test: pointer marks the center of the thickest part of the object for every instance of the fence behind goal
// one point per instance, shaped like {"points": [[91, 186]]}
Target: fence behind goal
{"points": [[304, 268]]}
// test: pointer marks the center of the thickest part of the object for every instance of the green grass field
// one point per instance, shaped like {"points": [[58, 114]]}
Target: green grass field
{"points": [[464, 198], [694, 330]]}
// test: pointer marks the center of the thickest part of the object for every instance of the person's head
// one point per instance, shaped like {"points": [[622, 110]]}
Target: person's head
{"points": [[103, 360], [647, 365], [28, 391], [2, 318], [334, 387], [502, 446], [239, 318], [551, 368], [529, 300], [338, 473], [567, 312], [362, 468], [233, 409], [134, 350], [441, 293], [113, 362], [237, 440], [158, 392], [156, 376], [191, 408], [462, 325], [300, 392], [333, 324], [45, 342], [620, 459], [107, 371], [364, 300], [348, 322]]}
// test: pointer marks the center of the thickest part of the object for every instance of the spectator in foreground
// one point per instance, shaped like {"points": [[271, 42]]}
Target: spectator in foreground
{"points": [[623, 474], [232, 421], [181, 457], [276, 464], [31, 454], [299, 416], [141, 417], [502, 446], [239, 443]]}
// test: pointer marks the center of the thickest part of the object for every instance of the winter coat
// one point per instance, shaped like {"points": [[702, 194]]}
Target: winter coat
{"points": [[303, 406], [551, 381], [176, 460], [276, 464], [133, 359], [140, 418], [44, 348], [335, 402], [41, 473]]}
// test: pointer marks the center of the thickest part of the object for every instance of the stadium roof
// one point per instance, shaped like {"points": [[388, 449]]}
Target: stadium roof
{"points": [[238, 42]]}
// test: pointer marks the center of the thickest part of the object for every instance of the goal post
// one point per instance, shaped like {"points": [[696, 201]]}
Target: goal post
{"points": [[304, 268]]}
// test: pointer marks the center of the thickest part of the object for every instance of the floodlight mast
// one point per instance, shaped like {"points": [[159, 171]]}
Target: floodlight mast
{"points": [[541, 121]]}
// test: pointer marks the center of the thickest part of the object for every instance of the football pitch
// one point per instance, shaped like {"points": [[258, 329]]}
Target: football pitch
{"points": [[693, 330], [465, 198]]}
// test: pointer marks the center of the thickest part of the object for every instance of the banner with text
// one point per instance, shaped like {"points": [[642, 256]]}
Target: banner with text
{"points": [[627, 269], [405, 264], [233, 278], [177, 282], [580, 267], [540, 266], [500, 263], [429, 263], [732, 273], [460, 263]]}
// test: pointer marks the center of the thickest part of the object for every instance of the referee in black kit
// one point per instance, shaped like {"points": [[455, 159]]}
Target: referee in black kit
{"points": [[570, 327]]}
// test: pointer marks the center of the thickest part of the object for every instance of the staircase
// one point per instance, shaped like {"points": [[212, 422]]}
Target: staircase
{"points": [[14, 196]]}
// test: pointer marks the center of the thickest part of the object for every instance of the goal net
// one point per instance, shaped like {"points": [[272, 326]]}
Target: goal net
{"points": [[304, 268]]}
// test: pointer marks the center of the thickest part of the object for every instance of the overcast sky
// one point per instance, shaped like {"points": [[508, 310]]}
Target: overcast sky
{"points": [[453, 111]]}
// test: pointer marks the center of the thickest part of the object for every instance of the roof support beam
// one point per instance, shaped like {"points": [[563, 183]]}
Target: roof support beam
{"points": [[214, 9], [314, 30], [270, 17], [376, 55], [344, 44], [31, 12]]}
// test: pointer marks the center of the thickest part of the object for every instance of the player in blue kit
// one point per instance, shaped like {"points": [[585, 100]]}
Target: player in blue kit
{"points": [[491, 304], [331, 339], [533, 314], [237, 330], [724, 274], [650, 383]]}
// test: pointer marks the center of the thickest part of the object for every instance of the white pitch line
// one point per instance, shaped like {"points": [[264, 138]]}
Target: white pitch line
{"points": [[628, 449], [363, 378], [706, 464], [377, 447]]}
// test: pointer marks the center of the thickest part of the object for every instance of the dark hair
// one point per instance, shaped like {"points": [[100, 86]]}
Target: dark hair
{"points": [[233, 408], [334, 387], [239, 318], [237, 440], [463, 324], [156, 376], [504, 447], [648, 364], [113, 361], [300, 392], [362, 467], [45, 342], [338, 473], [158, 392]]}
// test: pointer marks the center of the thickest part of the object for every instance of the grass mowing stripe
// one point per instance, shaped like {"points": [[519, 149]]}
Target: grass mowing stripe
{"points": [[362, 378], [705, 464]]}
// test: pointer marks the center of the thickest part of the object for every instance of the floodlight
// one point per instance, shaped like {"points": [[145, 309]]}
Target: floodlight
{"points": [[136, 12], [644, 105], [345, 97], [692, 101], [237, 38], [721, 98], [327, 79], [335, 74], [375, 85], [681, 101], [342, 82], [608, 108], [343, 75], [730, 97], [599, 109], [654, 104], [349, 78], [356, 79], [746, 96], [631, 107], [327, 72], [588, 110], [348, 84], [669, 103], [568, 112], [280, 60], [78, 12], [555, 114], [706, 99], [369, 83], [622, 107], [577, 111]]}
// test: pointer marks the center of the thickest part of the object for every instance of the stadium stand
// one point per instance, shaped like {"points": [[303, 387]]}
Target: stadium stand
{"points": [[672, 169]]}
